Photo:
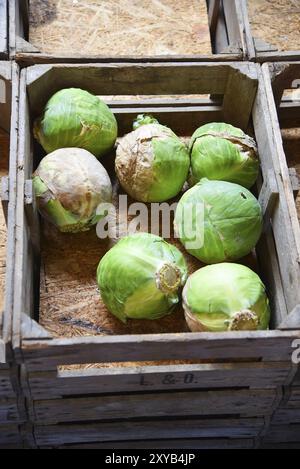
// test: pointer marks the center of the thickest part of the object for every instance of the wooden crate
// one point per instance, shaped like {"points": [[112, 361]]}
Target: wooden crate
{"points": [[226, 23], [3, 29], [259, 49], [235, 378]]}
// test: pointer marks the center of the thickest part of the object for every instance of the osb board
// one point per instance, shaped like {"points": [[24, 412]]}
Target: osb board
{"points": [[291, 142], [70, 303], [4, 149], [136, 27], [276, 22]]}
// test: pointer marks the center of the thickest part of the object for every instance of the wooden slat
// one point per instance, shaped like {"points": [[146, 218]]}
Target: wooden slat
{"points": [[6, 388], [5, 95], [285, 416], [234, 24], [3, 29], [268, 345], [132, 79], [297, 378], [50, 385], [283, 434], [11, 215], [246, 403], [213, 15], [294, 398], [10, 435], [55, 435], [239, 96], [29, 59], [172, 444], [9, 411], [285, 215], [285, 56]]}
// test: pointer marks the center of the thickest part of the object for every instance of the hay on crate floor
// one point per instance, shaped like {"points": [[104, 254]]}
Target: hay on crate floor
{"points": [[136, 27], [276, 22]]}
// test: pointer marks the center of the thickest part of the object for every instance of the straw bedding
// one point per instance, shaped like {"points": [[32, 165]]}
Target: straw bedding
{"points": [[136, 27], [277, 23]]}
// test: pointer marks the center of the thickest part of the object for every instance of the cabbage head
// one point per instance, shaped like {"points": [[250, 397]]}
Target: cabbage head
{"points": [[231, 223], [152, 163], [225, 297], [141, 277], [69, 185], [76, 118], [220, 151]]}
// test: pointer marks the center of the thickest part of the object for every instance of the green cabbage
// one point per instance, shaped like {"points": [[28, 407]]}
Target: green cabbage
{"points": [[152, 163], [224, 297], [222, 152], [76, 118], [141, 277], [69, 185], [231, 222]]}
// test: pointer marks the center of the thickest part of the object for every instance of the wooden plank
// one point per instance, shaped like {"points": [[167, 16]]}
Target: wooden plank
{"points": [[9, 411], [246, 403], [132, 79], [235, 27], [287, 243], [283, 434], [6, 388], [50, 385], [25, 262], [213, 15], [29, 59], [131, 431], [9, 435], [180, 119], [256, 346], [5, 95], [280, 446], [11, 216], [285, 416], [220, 443], [297, 378], [3, 29], [239, 96], [285, 56], [294, 398]]}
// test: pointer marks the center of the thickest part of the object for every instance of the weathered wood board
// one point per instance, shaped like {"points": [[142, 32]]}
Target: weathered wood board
{"points": [[164, 430]]}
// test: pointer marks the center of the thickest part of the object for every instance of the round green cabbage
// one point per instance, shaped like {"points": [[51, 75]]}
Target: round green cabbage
{"points": [[141, 277], [76, 118], [224, 297], [231, 222], [220, 151], [152, 163], [69, 185]]}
